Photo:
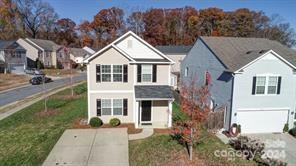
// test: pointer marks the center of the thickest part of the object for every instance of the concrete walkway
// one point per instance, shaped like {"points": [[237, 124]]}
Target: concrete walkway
{"points": [[90, 147], [146, 132]]}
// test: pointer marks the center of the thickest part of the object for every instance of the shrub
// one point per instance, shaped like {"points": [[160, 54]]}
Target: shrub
{"points": [[95, 122], [239, 128], [248, 147], [293, 131], [286, 128], [114, 122]]}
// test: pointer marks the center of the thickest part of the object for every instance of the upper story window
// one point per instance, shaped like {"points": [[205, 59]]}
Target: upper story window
{"points": [[146, 73], [117, 73], [106, 73], [186, 72], [266, 85], [109, 73]]}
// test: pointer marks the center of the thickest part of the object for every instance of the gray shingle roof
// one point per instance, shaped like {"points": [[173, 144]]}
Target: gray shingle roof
{"points": [[78, 52], [174, 49], [10, 44], [153, 92], [235, 52], [47, 45]]}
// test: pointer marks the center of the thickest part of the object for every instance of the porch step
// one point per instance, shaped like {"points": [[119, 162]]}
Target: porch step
{"points": [[146, 132]]}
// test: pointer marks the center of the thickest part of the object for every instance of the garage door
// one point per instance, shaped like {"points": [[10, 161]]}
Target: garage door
{"points": [[263, 121], [17, 68]]}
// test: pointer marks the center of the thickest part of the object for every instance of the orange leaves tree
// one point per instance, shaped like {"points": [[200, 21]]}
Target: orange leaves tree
{"points": [[194, 103]]}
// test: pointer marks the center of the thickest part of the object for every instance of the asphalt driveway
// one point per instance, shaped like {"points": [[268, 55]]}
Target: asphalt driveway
{"points": [[89, 147], [281, 146]]}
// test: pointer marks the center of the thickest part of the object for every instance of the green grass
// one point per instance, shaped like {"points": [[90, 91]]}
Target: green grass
{"points": [[27, 139], [155, 150], [162, 149]]}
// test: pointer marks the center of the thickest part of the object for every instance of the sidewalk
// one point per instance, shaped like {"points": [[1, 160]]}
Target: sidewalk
{"points": [[19, 105], [146, 132]]}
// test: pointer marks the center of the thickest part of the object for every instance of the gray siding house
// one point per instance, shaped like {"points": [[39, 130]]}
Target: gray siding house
{"points": [[252, 78], [12, 57]]}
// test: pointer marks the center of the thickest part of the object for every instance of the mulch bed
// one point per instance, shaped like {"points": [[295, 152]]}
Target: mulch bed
{"points": [[162, 131], [182, 158], [130, 127], [48, 113]]}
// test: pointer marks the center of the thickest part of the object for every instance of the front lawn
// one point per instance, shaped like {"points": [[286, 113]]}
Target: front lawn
{"points": [[162, 149], [26, 137], [8, 81]]}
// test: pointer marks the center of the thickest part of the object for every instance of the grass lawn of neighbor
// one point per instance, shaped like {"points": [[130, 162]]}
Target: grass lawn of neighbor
{"points": [[162, 149], [27, 137]]}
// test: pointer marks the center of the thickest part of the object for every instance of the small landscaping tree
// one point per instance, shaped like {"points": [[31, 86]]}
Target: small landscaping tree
{"points": [[194, 103]]}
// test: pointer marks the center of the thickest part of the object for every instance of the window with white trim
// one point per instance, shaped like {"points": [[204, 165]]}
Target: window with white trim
{"points": [[117, 73], [106, 106], [117, 106], [106, 73], [272, 85], [267, 85], [146, 73], [260, 84]]}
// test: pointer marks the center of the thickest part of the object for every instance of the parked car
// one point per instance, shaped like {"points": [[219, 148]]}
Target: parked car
{"points": [[36, 80]]}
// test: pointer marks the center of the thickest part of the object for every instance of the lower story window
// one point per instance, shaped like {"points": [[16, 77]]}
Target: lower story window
{"points": [[106, 106], [117, 106]]}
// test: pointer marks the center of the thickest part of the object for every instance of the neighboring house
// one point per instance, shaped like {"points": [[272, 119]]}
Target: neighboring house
{"points": [[129, 79], [44, 50], [90, 51], [12, 57], [63, 58], [177, 53], [78, 54], [253, 78]]}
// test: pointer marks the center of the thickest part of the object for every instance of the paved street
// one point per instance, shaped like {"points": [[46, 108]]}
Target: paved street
{"points": [[90, 147], [23, 92]]}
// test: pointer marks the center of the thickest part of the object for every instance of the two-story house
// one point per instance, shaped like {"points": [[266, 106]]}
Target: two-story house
{"points": [[254, 79], [176, 53], [44, 50], [13, 57], [129, 79]]}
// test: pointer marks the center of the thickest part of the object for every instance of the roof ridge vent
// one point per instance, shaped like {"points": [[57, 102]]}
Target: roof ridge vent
{"points": [[248, 52]]}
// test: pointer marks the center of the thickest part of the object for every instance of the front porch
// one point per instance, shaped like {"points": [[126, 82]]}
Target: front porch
{"points": [[153, 106]]}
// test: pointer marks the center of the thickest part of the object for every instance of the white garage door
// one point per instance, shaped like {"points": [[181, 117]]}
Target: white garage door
{"points": [[17, 68], [263, 121]]}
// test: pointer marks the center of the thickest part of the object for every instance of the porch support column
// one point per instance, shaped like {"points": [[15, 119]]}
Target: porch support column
{"points": [[136, 114], [170, 114]]}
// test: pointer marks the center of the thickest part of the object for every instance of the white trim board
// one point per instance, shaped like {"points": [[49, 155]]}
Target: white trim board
{"points": [[263, 55], [262, 109], [113, 44], [111, 91]]}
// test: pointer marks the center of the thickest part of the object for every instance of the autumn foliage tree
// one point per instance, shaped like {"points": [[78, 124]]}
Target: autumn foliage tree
{"points": [[194, 103]]}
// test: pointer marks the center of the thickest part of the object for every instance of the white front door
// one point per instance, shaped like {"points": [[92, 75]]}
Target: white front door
{"points": [[262, 121]]}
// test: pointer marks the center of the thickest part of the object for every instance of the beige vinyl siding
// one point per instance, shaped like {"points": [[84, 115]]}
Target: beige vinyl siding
{"points": [[177, 59], [111, 57], [163, 72], [106, 118], [31, 52], [160, 113]]}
